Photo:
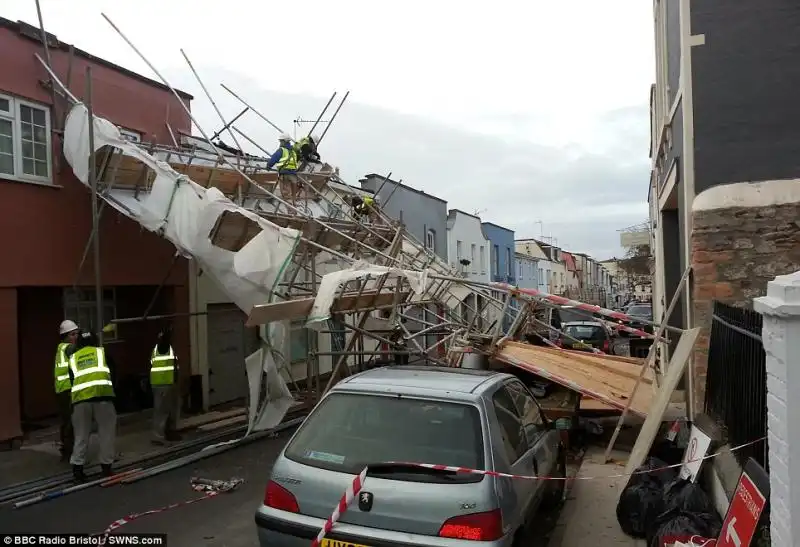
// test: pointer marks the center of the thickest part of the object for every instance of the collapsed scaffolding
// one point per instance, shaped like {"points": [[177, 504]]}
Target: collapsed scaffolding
{"points": [[293, 249]]}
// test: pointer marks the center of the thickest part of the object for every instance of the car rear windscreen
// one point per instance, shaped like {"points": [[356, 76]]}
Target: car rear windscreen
{"points": [[640, 311], [568, 315], [585, 332], [348, 431]]}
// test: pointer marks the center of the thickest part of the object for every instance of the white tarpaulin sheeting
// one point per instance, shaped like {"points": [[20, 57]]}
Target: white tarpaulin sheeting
{"points": [[332, 282], [185, 213]]}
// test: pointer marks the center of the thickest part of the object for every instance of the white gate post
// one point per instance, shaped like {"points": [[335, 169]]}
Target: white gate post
{"points": [[781, 336]]}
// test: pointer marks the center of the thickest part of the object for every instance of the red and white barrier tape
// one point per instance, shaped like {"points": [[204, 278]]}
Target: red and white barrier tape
{"points": [[561, 301], [358, 482], [535, 477], [211, 490], [347, 498]]}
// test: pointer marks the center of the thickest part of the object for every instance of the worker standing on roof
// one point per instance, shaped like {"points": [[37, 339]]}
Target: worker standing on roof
{"points": [[69, 334], [363, 207], [306, 149], [284, 160], [92, 402], [163, 376]]}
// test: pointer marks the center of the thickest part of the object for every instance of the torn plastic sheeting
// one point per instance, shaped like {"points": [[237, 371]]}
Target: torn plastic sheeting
{"points": [[185, 213], [262, 372], [332, 282]]}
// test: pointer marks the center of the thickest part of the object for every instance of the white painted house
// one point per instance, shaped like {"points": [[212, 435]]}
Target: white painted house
{"points": [[466, 241]]}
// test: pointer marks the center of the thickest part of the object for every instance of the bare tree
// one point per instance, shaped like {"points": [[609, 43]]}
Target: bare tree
{"points": [[636, 266]]}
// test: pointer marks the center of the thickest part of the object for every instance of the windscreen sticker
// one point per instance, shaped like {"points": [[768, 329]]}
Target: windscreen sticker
{"points": [[325, 457]]}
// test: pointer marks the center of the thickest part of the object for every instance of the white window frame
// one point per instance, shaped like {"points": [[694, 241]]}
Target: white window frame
{"points": [[15, 118], [483, 259], [473, 260], [430, 240], [458, 250], [130, 135], [72, 310]]}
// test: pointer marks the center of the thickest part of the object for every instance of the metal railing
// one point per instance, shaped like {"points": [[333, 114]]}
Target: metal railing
{"points": [[736, 385]]}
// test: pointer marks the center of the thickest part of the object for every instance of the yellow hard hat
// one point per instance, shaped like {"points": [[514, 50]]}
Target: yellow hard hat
{"points": [[110, 328]]}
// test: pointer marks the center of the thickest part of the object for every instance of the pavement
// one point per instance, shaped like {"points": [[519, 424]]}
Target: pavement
{"points": [[222, 521], [39, 455], [589, 513]]}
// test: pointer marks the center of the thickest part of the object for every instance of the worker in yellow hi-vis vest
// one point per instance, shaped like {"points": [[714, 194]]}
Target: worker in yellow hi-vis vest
{"points": [[164, 381], [92, 403], [69, 334]]}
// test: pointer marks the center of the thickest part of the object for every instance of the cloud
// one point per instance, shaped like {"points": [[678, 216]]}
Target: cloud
{"points": [[581, 192]]}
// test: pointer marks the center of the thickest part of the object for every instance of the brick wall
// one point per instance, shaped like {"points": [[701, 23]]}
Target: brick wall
{"points": [[736, 251]]}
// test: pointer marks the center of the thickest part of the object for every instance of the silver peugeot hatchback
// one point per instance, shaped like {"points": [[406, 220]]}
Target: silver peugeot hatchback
{"points": [[448, 416]]}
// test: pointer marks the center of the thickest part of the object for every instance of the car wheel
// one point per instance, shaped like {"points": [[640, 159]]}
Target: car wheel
{"points": [[555, 494]]}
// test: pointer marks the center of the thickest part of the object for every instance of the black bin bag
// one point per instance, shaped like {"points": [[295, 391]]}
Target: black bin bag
{"points": [[681, 523], [642, 498], [667, 451], [687, 510]]}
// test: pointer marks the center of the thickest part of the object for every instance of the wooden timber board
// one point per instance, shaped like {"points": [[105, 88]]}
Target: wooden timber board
{"points": [[300, 308], [127, 172], [607, 381]]}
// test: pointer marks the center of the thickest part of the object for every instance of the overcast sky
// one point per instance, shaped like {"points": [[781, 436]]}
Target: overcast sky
{"points": [[535, 114]]}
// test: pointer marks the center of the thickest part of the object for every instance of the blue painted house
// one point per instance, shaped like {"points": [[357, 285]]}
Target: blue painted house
{"points": [[502, 249], [503, 260]]}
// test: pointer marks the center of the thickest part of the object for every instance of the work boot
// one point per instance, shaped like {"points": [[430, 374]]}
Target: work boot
{"points": [[173, 436], [106, 469], [78, 474]]}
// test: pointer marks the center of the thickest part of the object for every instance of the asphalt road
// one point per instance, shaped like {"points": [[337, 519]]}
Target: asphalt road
{"points": [[226, 520], [223, 521]]}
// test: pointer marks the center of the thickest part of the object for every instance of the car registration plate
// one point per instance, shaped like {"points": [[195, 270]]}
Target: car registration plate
{"points": [[335, 543]]}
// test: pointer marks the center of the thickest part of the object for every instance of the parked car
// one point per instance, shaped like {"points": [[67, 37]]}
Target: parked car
{"points": [[471, 418], [586, 335], [640, 311]]}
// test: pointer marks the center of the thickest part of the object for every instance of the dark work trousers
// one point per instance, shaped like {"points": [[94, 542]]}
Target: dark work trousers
{"points": [[66, 433]]}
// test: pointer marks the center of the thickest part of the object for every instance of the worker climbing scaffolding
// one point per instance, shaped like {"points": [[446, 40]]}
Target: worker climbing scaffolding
{"points": [[363, 207], [306, 149]]}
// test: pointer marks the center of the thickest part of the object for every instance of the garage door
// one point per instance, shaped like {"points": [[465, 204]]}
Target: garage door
{"points": [[229, 342]]}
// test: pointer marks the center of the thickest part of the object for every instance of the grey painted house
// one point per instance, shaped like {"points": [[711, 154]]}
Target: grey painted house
{"points": [[723, 110], [424, 215]]}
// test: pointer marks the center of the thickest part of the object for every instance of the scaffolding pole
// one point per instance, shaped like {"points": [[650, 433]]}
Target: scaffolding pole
{"points": [[98, 288]]}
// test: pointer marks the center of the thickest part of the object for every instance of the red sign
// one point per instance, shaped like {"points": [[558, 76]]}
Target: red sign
{"points": [[743, 514]]}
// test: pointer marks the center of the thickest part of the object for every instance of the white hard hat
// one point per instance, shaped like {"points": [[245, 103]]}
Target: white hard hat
{"points": [[67, 326], [284, 137], [315, 138]]}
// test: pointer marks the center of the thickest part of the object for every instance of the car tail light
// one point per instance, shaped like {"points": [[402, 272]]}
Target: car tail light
{"points": [[476, 526], [605, 346], [278, 497]]}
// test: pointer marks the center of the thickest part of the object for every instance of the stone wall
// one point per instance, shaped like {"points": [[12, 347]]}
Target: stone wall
{"points": [[743, 235]]}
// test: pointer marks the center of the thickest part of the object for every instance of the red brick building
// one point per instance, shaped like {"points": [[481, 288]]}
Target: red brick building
{"points": [[45, 220]]}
